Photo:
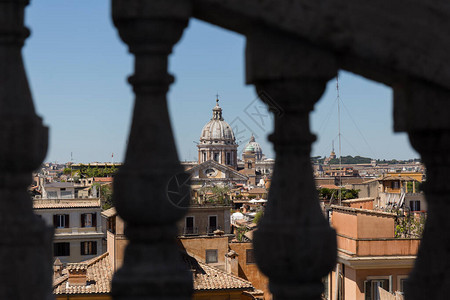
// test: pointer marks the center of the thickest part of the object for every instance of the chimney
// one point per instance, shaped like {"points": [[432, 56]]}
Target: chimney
{"points": [[57, 268], [77, 274], [232, 263]]}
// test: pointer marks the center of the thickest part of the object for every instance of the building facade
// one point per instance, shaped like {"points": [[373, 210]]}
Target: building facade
{"points": [[77, 225], [369, 255]]}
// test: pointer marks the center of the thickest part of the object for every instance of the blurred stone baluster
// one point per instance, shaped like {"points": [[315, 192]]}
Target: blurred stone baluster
{"points": [[25, 246], [150, 191], [421, 109], [294, 245]]}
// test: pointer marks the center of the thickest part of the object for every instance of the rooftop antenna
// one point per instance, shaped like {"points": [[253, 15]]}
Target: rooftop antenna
{"points": [[71, 163], [339, 129]]}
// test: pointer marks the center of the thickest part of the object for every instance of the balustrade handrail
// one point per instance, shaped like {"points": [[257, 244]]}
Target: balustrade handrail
{"points": [[190, 230]]}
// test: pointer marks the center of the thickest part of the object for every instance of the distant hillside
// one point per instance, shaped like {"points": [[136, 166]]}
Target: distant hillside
{"points": [[351, 160], [361, 160]]}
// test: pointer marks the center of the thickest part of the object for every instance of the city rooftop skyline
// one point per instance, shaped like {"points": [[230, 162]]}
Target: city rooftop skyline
{"points": [[77, 68]]}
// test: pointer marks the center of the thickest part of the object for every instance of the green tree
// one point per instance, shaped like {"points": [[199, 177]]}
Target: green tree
{"points": [[418, 186], [349, 194], [105, 194], [351, 160], [219, 193], [258, 216], [328, 194], [409, 225], [240, 233]]}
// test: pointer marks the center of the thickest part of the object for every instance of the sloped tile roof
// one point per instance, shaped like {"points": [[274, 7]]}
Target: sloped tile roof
{"points": [[65, 203], [257, 190], [109, 212], [99, 275], [329, 186], [207, 277], [211, 278]]}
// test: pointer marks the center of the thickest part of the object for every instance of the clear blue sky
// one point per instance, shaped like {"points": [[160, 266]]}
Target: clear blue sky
{"points": [[77, 68]]}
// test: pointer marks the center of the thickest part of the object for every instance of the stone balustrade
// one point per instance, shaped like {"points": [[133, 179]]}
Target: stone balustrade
{"points": [[25, 246], [293, 49]]}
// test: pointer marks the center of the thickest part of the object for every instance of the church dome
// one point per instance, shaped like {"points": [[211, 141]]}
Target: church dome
{"points": [[217, 131], [249, 148], [252, 144]]}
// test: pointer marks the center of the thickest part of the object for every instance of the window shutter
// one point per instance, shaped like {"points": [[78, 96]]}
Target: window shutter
{"points": [[83, 220], [66, 219], [55, 221], [367, 290], [82, 248], [94, 220], [94, 248]]}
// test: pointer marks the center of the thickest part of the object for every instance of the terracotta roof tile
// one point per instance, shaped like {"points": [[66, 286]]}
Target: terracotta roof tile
{"points": [[207, 277], [99, 275], [103, 179], [65, 203], [211, 278], [111, 212], [257, 191], [329, 186]]}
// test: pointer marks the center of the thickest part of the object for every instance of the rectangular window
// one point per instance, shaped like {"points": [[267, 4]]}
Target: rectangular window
{"points": [[89, 220], [88, 248], [212, 224], [414, 205], [66, 195], [372, 285], [61, 221], [250, 259], [401, 283], [52, 195], [189, 225], [111, 224], [395, 184], [211, 256], [228, 158], [216, 157], [325, 294], [61, 249]]}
